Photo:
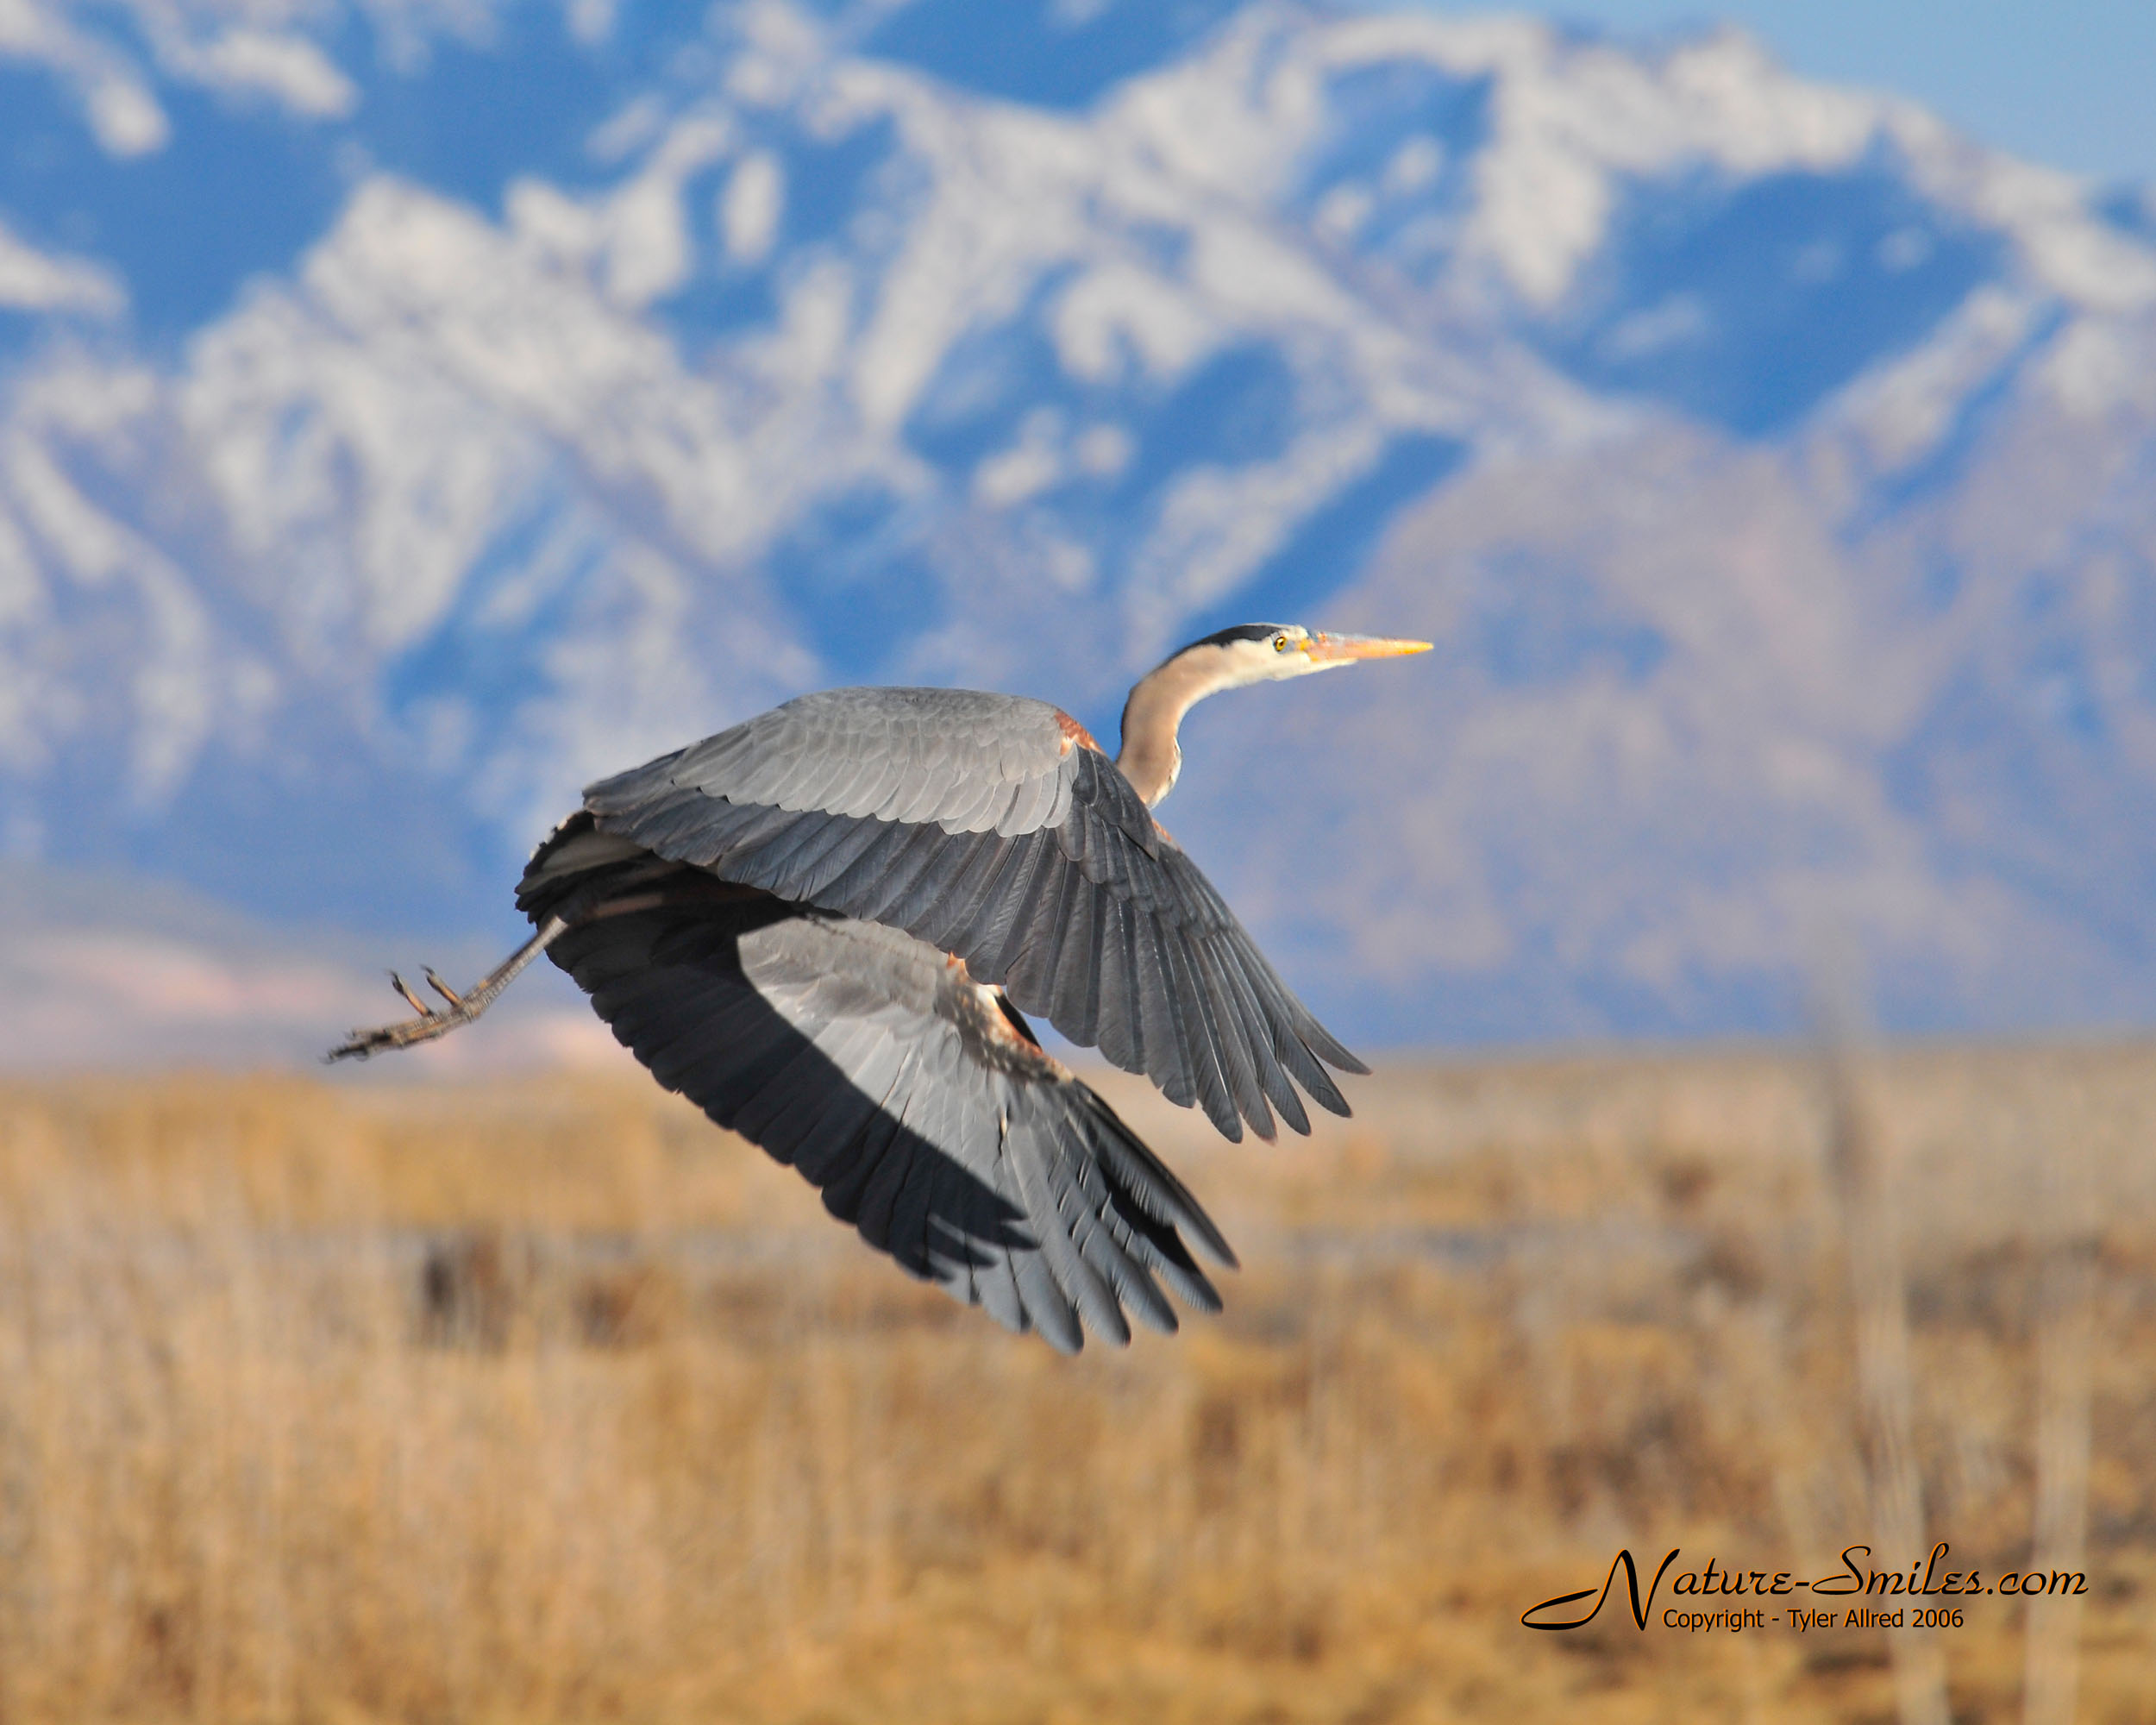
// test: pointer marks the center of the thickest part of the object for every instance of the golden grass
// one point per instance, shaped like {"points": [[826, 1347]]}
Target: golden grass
{"points": [[541, 1401]]}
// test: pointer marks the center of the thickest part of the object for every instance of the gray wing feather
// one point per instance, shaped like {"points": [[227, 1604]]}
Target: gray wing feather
{"points": [[975, 822], [796, 756], [857, 1054]]}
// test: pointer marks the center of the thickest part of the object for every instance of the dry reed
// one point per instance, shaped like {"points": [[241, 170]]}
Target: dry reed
{"points": [[545, 1402], [1868, 1202]]}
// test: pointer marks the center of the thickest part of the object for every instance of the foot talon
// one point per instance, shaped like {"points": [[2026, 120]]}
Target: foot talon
{"points": [[433, 1021]]}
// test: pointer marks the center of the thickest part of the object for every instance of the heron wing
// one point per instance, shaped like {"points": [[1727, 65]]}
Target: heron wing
{"points": [[993, 828], [866, 1060]]}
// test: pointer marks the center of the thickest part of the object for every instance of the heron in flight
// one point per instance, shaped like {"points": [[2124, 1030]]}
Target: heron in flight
{"points": [[824, 927]]}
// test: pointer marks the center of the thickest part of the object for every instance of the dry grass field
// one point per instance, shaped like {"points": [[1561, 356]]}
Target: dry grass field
{"points": [[543, 1401]]}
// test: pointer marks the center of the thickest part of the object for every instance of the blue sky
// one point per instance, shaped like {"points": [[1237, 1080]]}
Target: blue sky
{"points": [[2071, 83]]}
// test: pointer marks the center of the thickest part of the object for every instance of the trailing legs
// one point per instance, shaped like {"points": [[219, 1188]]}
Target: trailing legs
{"points": [[433, 1021]]}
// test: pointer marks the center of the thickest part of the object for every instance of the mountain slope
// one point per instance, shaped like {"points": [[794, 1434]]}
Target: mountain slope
{"points": [[1769, 462]]}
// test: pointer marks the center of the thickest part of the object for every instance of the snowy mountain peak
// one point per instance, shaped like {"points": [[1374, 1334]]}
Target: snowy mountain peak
{"points": [[589, 379]]}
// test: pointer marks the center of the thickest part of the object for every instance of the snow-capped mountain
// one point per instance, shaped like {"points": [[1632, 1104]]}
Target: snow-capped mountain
{"points": [[409, 412]]}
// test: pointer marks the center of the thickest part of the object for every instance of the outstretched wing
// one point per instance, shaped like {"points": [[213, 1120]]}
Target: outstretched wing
{"points": [[993, 828], [869, 1062]]}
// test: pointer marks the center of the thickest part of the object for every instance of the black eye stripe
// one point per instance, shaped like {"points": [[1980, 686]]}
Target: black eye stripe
{"points": [[1242, 631]]}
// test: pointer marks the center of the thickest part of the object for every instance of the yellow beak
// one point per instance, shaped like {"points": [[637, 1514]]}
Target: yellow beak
{"points": [[1339, 650]]}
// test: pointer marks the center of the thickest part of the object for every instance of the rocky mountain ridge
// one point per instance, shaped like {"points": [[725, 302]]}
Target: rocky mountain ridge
{"points": [[1770, 464]]}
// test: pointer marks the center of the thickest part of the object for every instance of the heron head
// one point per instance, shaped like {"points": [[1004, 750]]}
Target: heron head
{"points": [[1249, 653], [1266, 652]]}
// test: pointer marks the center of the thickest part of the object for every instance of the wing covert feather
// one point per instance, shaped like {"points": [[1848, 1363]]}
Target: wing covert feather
{"points": [[976, 822]]}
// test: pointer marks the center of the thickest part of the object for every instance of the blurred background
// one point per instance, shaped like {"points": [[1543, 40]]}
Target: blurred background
{"points": [[411, 410]]}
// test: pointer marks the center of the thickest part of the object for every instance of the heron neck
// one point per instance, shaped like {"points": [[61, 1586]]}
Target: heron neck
{"points": [[1150, 757]]}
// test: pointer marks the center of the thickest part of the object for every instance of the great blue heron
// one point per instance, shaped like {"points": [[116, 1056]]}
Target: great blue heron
{"points": [[822, 926]]}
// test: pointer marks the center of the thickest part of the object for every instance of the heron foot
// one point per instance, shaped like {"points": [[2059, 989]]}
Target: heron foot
{"points": [[433, 1022], [430, 1022]]}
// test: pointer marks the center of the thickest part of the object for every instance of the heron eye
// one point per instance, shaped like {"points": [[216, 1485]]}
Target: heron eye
{"points": [[1280, 643]]}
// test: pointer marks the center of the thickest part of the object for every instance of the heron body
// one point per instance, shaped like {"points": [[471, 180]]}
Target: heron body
{"points": [[824, 926]]}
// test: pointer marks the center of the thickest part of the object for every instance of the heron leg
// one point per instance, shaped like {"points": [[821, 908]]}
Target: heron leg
{"points": [[602, 900], [433, 1022]]}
